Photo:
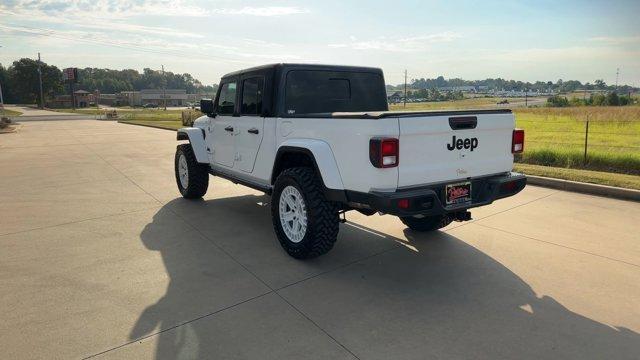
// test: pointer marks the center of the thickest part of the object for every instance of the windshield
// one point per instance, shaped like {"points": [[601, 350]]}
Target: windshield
{"points": [[320, 91]]}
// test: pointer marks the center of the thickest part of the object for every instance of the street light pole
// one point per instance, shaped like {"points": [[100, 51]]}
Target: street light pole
{"points": [[2, 99], [40, 81], [164, 89]]}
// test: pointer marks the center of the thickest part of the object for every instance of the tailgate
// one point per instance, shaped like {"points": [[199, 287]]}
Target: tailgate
{"points": [[445, 148]]}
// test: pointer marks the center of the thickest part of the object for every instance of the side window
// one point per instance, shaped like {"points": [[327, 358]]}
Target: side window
{"points": [[252, 90], [227, 100]]}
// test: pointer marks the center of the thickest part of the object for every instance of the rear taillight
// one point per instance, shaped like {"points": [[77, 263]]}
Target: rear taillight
{"points": [[384, 152], [517, 141]]}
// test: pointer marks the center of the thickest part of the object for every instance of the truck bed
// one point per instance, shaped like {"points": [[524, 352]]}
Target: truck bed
{"points": [[399, 114]]}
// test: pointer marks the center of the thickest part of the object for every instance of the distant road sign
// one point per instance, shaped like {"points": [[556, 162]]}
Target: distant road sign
{"points": [[70, 75]]}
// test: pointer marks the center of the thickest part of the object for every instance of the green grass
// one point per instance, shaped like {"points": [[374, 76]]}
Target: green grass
{"points": [[556, 137], [169, 119], [89, 111], [588, 176], [6, 112], [468, 103]]}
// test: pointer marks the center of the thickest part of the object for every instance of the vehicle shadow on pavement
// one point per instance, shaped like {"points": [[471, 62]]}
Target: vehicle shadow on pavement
{"points": [[438, 297]]}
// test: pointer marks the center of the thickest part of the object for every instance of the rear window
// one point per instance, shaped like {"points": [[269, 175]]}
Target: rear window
{"points": [[318, 91]]}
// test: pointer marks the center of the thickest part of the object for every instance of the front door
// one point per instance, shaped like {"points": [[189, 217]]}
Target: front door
{"points": [[250, 124], [223, 131]]}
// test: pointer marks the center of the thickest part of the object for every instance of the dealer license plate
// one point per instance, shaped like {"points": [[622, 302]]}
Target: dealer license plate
{"points": [[458, 193]]}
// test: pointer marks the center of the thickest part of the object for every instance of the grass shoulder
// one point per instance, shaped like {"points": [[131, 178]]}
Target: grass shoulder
{"points": [[588, 176], [7, 112]]}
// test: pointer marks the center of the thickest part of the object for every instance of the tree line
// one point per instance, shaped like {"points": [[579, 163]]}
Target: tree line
{"points": [[513, 85], [20, 81], [434, 95], [610, 99]]}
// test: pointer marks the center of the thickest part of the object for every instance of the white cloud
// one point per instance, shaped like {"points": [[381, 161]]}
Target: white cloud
{"points": [[115, 9], [118, 9], [261, 11], [408, 44]]}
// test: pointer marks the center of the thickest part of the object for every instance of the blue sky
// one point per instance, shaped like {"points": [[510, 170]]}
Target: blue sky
{"points": [[522, 40]]}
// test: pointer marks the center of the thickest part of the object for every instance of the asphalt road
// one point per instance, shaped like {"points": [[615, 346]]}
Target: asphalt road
{"points": [[100, 257]]}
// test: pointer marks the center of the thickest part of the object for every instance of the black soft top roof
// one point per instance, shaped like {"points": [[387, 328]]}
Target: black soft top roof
{"points": [[289, 66]]}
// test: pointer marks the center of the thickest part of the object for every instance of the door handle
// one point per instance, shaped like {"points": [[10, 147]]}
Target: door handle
{"points": [[229, 128], [253, 131]]}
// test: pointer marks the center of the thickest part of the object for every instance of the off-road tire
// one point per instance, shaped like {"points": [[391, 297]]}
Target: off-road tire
{"points": [[428, 223], [322, 215], [198, 173]]}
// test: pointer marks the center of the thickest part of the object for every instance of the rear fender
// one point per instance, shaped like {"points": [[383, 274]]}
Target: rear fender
{"points": [[321, 154], [196, 139]]}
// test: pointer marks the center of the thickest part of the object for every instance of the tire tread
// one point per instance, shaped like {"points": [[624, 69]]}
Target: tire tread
{"points": [[323, 215], [198, 173]]}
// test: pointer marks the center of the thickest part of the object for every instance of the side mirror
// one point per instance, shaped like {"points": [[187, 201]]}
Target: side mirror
{"points": [[206, 107]]}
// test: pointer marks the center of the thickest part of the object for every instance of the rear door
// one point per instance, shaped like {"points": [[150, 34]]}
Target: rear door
{"points": [[222, 139], [250, 124], [449, 147]]}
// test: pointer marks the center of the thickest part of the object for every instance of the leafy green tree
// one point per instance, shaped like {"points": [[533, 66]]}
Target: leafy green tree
{"points": [[557, 101], [612, 99], [23, 81], [4, 77], [600, 84], [597, 100]]}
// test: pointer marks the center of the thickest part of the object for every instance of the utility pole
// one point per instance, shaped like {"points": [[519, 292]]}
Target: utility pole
{"points": [[40, 81], [2, 100], [617, 74], [405, 87], [164, 90]]}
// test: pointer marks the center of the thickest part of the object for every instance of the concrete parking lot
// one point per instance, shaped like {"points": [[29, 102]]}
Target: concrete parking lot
{"points": [[100, 257]]}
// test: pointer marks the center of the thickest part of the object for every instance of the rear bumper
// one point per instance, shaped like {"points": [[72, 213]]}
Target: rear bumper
{"points": [[430, 200]]}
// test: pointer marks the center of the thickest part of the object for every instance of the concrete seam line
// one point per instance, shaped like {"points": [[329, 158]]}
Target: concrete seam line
{"points": [[318, 326], [585, 188], [222, 250], [259, 279], [178, 325], [80, 221], [473, 221], [560, 245]]}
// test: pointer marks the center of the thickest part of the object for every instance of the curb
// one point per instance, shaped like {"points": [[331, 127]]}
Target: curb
{"points": [[22, 118], [145, 125], [585, 188]]}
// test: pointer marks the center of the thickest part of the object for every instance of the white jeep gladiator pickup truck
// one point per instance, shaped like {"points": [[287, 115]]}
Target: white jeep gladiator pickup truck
{"points": [[321, 141]]}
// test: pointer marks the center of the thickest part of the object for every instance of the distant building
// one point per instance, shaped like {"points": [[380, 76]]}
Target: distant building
{"points": [[82, 98], [195, 98], [395, 97], [107, 99], [172, 97], [128, 98]]}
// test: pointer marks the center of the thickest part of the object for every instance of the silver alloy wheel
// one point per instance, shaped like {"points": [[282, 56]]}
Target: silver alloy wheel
{"points": [[293, 214], [183, 171]]}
